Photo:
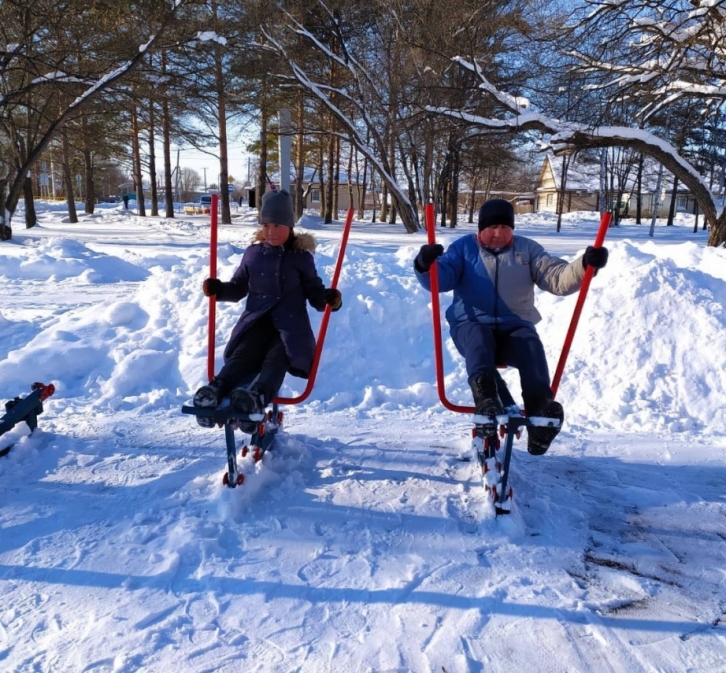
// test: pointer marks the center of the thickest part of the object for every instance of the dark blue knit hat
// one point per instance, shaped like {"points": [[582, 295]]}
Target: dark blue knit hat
{"points": [[277, 208], [496, 211]]}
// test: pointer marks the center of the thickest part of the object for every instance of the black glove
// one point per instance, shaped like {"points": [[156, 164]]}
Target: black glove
{"points": [[211, 286], [333, 298], [427, 256], [597, 258]]}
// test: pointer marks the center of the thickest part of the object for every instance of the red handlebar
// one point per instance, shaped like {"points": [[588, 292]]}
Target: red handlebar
{"points": [[326, 318], [212, 274], [589, 273]]}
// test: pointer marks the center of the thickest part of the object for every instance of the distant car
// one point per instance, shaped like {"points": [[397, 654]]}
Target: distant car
{"points": [[191, 208], [205, 204]]}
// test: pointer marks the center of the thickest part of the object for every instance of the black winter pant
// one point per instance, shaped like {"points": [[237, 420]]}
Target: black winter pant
{"points": [[486, 346], [260, 353]]}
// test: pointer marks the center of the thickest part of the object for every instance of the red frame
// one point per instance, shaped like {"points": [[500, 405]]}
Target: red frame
{"points": [[213, 299]]}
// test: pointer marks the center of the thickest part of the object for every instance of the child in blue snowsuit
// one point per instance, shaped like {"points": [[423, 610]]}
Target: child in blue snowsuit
{"points": [[492, 318]]}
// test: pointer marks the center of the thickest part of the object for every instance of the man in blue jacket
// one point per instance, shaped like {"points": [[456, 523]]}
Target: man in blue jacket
{"points": [[492, 318]]}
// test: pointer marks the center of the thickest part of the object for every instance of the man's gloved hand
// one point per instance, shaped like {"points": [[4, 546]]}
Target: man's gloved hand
{"points": [[597, 258], [333, 298], [211, 286], [427, 256]]}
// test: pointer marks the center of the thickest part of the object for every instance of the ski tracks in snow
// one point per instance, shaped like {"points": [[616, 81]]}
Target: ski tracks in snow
{"points": [[335, 539]]}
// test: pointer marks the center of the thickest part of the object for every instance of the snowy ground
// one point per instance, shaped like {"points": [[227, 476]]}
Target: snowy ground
{"points": [[362, 542]]}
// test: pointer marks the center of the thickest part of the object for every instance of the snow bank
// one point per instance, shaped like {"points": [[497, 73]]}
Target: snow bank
{"points": [[648, 355]]}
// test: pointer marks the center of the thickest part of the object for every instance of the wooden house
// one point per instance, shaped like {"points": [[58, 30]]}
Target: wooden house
{"points": [[582, 188]]}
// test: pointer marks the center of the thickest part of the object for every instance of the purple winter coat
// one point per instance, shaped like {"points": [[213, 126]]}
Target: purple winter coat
{"points": [[277, 280]]}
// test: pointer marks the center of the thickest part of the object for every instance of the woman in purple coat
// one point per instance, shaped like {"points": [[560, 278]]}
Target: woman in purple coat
{"points": [[273, 336]]}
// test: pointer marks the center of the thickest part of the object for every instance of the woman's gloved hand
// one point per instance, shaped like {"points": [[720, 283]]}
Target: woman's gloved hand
{"points": [[333, 298], [211, 286]]}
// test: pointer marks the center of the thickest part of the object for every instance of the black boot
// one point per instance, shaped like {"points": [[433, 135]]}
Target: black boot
{"points": [[209, 395], [486, 398], [247, 402], [539, 437]]}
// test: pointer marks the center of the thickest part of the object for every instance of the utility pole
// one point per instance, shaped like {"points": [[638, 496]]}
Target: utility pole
{"points": [[284, 144], [205, 179]]}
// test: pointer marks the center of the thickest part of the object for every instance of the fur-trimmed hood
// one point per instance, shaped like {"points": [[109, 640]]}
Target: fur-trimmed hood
{"points": [[298, 241]]}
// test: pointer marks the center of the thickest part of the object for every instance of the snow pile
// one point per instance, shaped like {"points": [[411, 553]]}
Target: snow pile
{"points": [[59, 259], [647, 355]]}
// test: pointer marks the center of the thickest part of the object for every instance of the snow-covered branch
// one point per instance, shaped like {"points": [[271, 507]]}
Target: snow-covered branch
{"points": [[518, 118], [661, 49]]}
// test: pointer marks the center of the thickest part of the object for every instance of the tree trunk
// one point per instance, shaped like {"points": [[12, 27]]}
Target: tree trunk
{"points": [[717, 237], [639, 193], [409, 216], [152, 161], [383, 211], [351, 203], [444, 200], [428, 161], [321, 173], [138, 175], [374, 198], [362, 192], [90, 203], [455, 182], [674, 198], [68, 179], [6, 233], [453, 207], [166, 132], [442, 196], [563, 188], [602, 205], [418, 180], [409, 173], [656, 202], [392, 213], [392, 164], [336, 180], [472, 196], [330, 181], [31, 219], [695, 222]]}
